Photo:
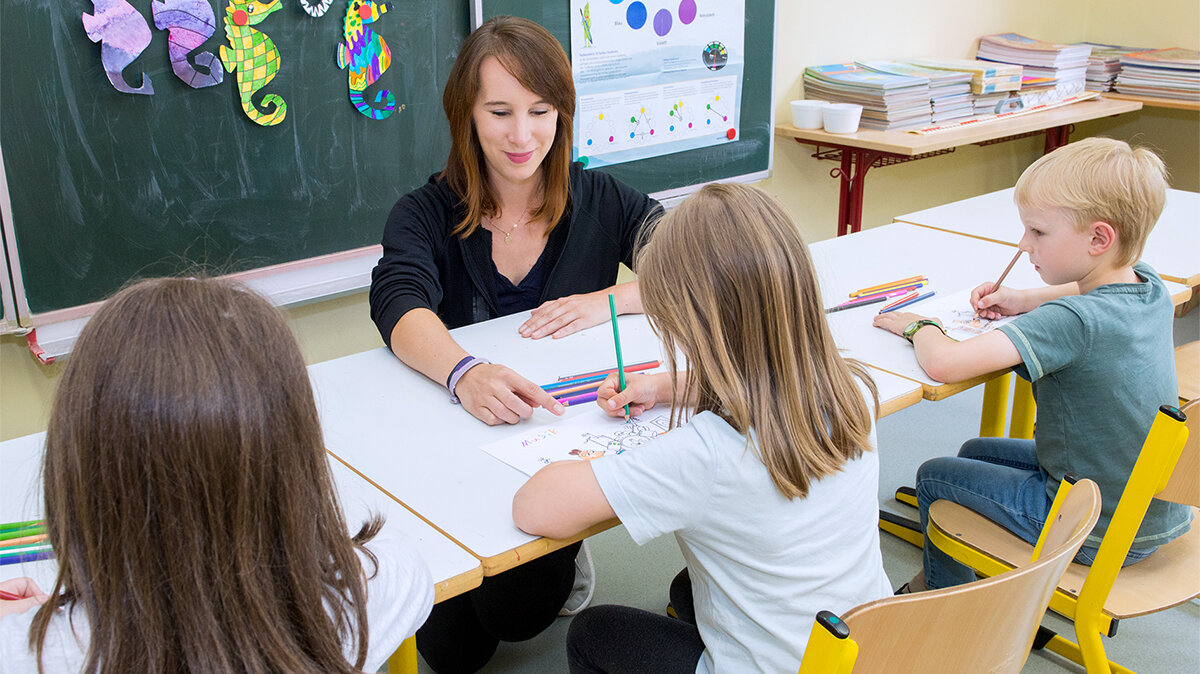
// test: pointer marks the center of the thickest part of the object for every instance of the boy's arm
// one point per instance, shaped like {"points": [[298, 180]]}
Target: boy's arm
{"points": [[561, 499], [949, 361], [992, 304]]}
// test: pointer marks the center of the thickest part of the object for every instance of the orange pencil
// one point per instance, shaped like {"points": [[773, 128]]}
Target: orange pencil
{"points": [[885, 286], [23, 540]]}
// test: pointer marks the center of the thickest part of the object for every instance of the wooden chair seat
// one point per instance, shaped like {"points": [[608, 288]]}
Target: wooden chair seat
{"points": [[1187, 370], [1168, 578]]}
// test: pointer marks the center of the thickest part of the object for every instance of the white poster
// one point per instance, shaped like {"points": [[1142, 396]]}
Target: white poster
{"points": [[655, 77], [581, 437]]}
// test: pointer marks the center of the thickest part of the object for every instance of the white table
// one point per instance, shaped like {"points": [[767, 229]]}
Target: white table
{"points": [[1173, 247], [454, 570]]}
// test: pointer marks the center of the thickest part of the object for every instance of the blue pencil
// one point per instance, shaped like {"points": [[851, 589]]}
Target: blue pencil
{"points": [[30, 556], [914, 300]]}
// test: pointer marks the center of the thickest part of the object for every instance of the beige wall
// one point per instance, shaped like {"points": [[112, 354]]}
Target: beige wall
{"points": [[810, 33]]}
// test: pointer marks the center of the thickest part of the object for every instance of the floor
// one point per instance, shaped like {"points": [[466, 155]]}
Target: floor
{"points": [[1165, 642]]}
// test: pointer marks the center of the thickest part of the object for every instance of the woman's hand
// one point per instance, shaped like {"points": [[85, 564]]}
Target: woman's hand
{"points": [[992, 303], [495, 395], [642, 392], [566, 315], [32, 596], [896, 322]]}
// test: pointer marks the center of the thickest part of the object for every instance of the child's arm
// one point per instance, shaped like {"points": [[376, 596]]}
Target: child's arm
{"points": [[1011, 302], [561, 499], [949, 361]]}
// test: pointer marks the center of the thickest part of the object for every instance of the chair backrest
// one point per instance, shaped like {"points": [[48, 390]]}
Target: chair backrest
{"points": [[988, 625], [1184, 485]]}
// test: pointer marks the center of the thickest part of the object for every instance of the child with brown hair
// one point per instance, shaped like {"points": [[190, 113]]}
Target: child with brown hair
{"points": [[191, 509]]}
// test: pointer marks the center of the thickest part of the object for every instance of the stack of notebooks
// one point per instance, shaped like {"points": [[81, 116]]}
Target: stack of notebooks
{"points": [[1103, 65], [949, 91], [889, 101], [1051, 71], [1163, 73], [986, 77]]}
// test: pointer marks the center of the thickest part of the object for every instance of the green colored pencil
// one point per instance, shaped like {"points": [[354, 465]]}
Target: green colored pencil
{"points": [[21, 533], [13, 526], [612, 308]]}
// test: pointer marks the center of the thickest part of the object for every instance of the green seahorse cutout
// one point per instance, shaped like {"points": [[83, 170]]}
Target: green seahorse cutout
{"points": [[254, 56]]}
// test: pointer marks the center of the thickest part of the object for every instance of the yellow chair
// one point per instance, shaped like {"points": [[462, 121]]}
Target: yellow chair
{"points": [[1187, 371], [1096, 597], [404, 660], [985, 626]]}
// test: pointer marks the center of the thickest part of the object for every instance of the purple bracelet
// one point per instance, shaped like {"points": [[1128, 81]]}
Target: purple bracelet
{"points": [[458, 372]]}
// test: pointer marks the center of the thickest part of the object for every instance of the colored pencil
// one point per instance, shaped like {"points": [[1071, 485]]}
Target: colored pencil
{"points": [[888, 286], [31, 556], [21, 533], [612, 309], [23, 540], [576, 390], [906, 302], [650, 364], [1004, 274], [566, 383], [891, 289], [857, 303], [13, 526], [578, 400], [887, 293], [9, 596]]}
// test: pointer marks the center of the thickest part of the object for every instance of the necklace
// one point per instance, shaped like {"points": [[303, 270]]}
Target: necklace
{"points": [[508, 234]]}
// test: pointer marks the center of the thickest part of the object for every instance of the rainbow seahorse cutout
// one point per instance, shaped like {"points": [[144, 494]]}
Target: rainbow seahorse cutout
{"points": [[190, 23], [123, 35], [254, 56], [366, 56]]}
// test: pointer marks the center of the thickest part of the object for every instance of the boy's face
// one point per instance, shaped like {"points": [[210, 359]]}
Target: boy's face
{"points": [[1057, 248]]}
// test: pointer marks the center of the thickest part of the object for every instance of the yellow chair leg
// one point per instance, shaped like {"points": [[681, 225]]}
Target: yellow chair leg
{"points": [[1070, 650], [995, 407], [404, 660], [1023, 411]]}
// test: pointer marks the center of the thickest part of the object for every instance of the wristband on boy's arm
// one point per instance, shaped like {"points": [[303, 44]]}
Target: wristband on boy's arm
{"points": [[458, 372]]}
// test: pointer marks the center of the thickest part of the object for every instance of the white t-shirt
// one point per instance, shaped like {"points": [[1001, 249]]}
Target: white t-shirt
{"points": [[399, 599], [761, 565]]}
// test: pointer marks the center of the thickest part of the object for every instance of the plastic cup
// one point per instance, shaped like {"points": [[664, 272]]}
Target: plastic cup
{"points": [[842, 117], [808, 114]]}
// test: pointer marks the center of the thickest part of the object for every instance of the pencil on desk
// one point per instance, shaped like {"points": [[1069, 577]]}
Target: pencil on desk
{"points": [[905, 301], [14, 526], [21, 533], [35, 555], [23, 540], [612, 309], [888, 286], [856, 303], [576, 400], [637, 367], [576, 390]]}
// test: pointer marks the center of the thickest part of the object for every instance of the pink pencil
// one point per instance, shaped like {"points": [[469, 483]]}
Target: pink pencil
{"points": [[576, 400]]}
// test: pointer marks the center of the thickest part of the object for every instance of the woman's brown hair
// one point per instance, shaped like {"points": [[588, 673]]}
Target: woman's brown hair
{"points": [[727, 278], [188, 499], [532, 55]]}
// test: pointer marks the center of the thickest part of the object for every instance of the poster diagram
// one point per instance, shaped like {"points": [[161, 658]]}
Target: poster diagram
{"points": [[584, 437], [655, 78]]}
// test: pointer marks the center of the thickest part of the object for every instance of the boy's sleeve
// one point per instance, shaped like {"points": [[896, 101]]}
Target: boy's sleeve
{"points": [[1048, 338], [659, 487]]}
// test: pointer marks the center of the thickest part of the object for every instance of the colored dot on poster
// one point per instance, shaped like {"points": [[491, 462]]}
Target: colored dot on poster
{"points": [[671, 113], [651, 132], [635, 15], [583, 160], [611, 139], [589, 141], [717, 98], [662, 23], [687, 11], [689, 125], [730, 134], [708, 107], [631, 134], [602, 115], [708, 121], [643, 111], [672, 127], [633, 120], [724, 118]]}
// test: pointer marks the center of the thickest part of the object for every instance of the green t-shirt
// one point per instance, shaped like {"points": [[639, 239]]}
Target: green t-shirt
{"points": [[1101, 364]]}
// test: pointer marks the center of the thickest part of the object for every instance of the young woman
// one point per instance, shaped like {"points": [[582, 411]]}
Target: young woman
{"points": [[191, 509], [769, 478]]}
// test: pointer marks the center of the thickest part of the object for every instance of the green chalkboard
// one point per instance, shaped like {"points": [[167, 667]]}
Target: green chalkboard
{"points": [[748, 155], [107, 186]]}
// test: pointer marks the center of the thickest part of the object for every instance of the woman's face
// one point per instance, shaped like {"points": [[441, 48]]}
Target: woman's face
{"points": [[515, 126]]}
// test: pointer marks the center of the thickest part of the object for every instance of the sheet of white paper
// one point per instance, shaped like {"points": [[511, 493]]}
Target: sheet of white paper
{"points": [[957, 316], [581, 437]]}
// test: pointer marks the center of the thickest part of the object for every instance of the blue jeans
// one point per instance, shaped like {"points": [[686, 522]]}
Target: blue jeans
{"points": [[1000, 479]]}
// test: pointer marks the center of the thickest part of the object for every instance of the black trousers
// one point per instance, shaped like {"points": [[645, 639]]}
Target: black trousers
{"points": [[463, 632], [630, 640]]}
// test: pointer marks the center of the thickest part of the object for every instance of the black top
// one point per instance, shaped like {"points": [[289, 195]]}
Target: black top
{"points": [[423, 266]]}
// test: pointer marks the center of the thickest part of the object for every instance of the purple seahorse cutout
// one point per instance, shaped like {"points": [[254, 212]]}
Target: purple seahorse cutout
{"points": [[123, 35], [190, 23]]}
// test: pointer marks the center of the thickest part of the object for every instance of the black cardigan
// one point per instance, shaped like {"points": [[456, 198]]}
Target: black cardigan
{"points": [[424, 266]]}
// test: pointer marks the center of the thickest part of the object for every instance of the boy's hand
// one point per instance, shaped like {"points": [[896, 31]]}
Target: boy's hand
{"points": [[22, 587], [992, 304], [896, 321], [642, 392]]}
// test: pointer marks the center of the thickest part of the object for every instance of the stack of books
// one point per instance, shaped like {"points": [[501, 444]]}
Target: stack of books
{"points": [[889, 101], [949, 91], [986, 77], [1051, 71], [1161, 73], [1103, 65]]}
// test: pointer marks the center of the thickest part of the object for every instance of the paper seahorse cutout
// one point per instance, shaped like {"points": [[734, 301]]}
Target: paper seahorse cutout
{"points": [[366, 56], [254, 56], [123, 35], [315, 8], [190, 23], [586, 21]]}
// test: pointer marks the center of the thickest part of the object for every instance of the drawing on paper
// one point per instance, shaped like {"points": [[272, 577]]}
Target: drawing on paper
{"points": [[189, 23], [584, 437], [958, 317], [123, 35]]}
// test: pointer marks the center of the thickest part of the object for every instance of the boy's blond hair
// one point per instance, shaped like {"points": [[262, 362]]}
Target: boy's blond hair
{"points": [[1100, 180]]}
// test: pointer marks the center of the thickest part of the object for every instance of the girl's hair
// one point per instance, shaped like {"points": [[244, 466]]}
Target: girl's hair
{"points": [[727, 278], [532, 55], [187, 494]]}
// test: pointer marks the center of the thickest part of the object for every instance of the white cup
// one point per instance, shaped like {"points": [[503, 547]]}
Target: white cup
{"points": [[842, 117], [807, 114]]}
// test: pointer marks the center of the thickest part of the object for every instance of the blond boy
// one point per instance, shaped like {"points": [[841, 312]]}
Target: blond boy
{"points": [[1096, 343]]}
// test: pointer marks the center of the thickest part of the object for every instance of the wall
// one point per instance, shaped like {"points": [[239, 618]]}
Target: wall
{"points": [[811, 33]]}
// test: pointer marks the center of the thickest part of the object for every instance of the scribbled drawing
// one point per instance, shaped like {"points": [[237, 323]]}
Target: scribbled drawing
{"points": [[255, 57], [637, 432], [965, 322], [189, 23], [123, 35], [589, 454], [586, 21], [316, 8], [365, 56]]}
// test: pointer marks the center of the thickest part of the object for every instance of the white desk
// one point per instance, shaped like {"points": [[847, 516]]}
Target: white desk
{"points": [[453, 569], [1173, 248]]}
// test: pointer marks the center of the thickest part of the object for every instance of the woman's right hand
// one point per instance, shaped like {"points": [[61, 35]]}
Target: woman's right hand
{"points": [[22, 587], [992, 304], [642, 392], [495, 395]]}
